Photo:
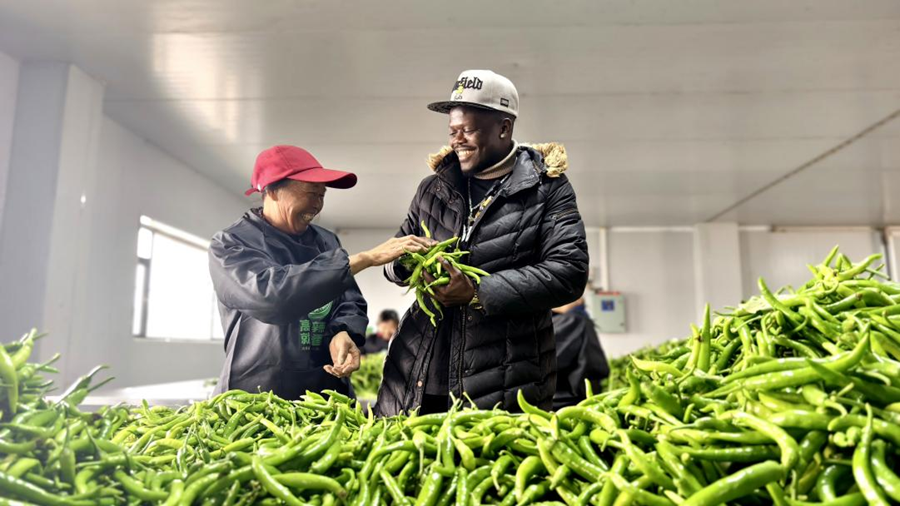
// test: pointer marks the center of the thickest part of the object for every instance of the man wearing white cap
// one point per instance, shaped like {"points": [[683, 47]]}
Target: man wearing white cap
{"points": [[516, 213]]}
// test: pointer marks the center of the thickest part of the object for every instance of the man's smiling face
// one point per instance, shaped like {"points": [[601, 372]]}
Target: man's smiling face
{"points": [[479, 137]]}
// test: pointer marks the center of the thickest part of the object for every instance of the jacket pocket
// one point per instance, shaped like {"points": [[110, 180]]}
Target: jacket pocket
{"points": [[562, 214]]}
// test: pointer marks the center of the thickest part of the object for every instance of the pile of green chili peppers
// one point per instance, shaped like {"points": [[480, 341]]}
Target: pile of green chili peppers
{"points": [[430, 264], [792, 398]]}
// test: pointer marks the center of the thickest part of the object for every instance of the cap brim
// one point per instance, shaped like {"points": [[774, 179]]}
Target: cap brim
{"points": [[446, 106], [328, 177]]}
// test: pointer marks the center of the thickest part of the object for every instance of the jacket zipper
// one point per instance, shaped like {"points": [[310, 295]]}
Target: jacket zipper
{"points": [[462, 351], [463, 314], [500, 193]]}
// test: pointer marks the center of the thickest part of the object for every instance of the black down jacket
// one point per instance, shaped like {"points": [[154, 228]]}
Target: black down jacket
{"points": [[532, 241]]}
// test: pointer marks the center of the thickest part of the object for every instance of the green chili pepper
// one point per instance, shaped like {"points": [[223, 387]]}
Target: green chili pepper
{"points": [[739, 484], [575, 462], [528, 468], [528, 408], [884, 475], [462, 490], [21, 488], [431, 489], [20, 357], [684, 480], [862, 466], [660, 367], [776, 304], [176, 491], [662, 398], [136, 489], [642, 496], [826, 484], [790, 450], [732, 454], [533, 492], [584, 499], [309, 481], [854, 499], [271, 485], [647, 465], [634, 389], [9, 382]]}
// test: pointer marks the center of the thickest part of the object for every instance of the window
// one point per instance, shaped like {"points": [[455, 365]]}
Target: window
{"points": [[173, 293]]}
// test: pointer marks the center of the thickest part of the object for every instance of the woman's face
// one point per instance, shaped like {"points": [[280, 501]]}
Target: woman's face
{"points": [[299, 203]]}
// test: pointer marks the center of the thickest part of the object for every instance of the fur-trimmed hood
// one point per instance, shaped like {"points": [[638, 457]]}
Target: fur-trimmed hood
{"points": [[554, 154]]}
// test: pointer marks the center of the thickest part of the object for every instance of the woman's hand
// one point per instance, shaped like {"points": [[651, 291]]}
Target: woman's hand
{"points": [[389, 251], [344, 354]]}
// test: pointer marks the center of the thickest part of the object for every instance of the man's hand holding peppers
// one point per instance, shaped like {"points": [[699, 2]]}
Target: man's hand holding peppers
{"points": [[458, 292]]}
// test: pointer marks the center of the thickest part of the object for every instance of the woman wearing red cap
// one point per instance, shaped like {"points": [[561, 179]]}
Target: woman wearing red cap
{"points": [[293, 315]]}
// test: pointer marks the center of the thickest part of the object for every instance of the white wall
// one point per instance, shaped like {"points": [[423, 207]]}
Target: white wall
{"points": [[717, 264], [9, 79], [30, 202], [378, 291], [780, 257], [654, 270], [892, 238], [64, 311], [134, 178], [77, 185]]}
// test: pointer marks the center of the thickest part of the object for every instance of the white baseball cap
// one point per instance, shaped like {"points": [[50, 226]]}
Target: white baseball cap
{"points": [[481, 88]]}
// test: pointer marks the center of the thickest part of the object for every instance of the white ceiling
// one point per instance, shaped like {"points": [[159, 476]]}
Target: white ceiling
{"points": [[671, 111]]}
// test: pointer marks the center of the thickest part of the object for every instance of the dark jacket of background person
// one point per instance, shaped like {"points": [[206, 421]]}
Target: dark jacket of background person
{"points": [[374, 344], [579, 356], [532, 241], [281, 299]]}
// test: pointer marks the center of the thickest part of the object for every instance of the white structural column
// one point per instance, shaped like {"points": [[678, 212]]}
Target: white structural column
{"points": [[9, 81], [717, 265], [59, 111]]}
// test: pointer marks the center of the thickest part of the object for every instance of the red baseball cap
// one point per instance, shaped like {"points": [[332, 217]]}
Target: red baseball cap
{"points": [[291, 162]]}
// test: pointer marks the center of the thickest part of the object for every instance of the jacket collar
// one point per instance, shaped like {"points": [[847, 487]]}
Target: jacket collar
{"points": [[532, 162]]}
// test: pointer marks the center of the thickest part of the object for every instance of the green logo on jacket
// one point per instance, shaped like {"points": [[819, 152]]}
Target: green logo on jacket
{"points": [[312, 328]]}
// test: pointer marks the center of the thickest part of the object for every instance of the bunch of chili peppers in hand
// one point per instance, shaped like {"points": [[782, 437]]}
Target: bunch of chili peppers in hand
{"points": [[431, 264]]}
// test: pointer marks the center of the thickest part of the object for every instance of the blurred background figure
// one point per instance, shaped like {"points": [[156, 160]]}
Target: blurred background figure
{"points": [[388, 321], [579, 355]]}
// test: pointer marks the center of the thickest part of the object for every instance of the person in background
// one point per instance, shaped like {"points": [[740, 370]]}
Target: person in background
{"points": [[515, 212], [388, 321], [291, 310], [579, 355]]}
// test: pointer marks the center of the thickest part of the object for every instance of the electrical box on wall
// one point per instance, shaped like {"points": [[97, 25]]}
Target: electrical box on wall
{"points": [[608, 310]]}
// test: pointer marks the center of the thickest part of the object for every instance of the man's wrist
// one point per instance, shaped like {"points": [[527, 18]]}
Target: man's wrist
{"points": [[396, 272]]}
